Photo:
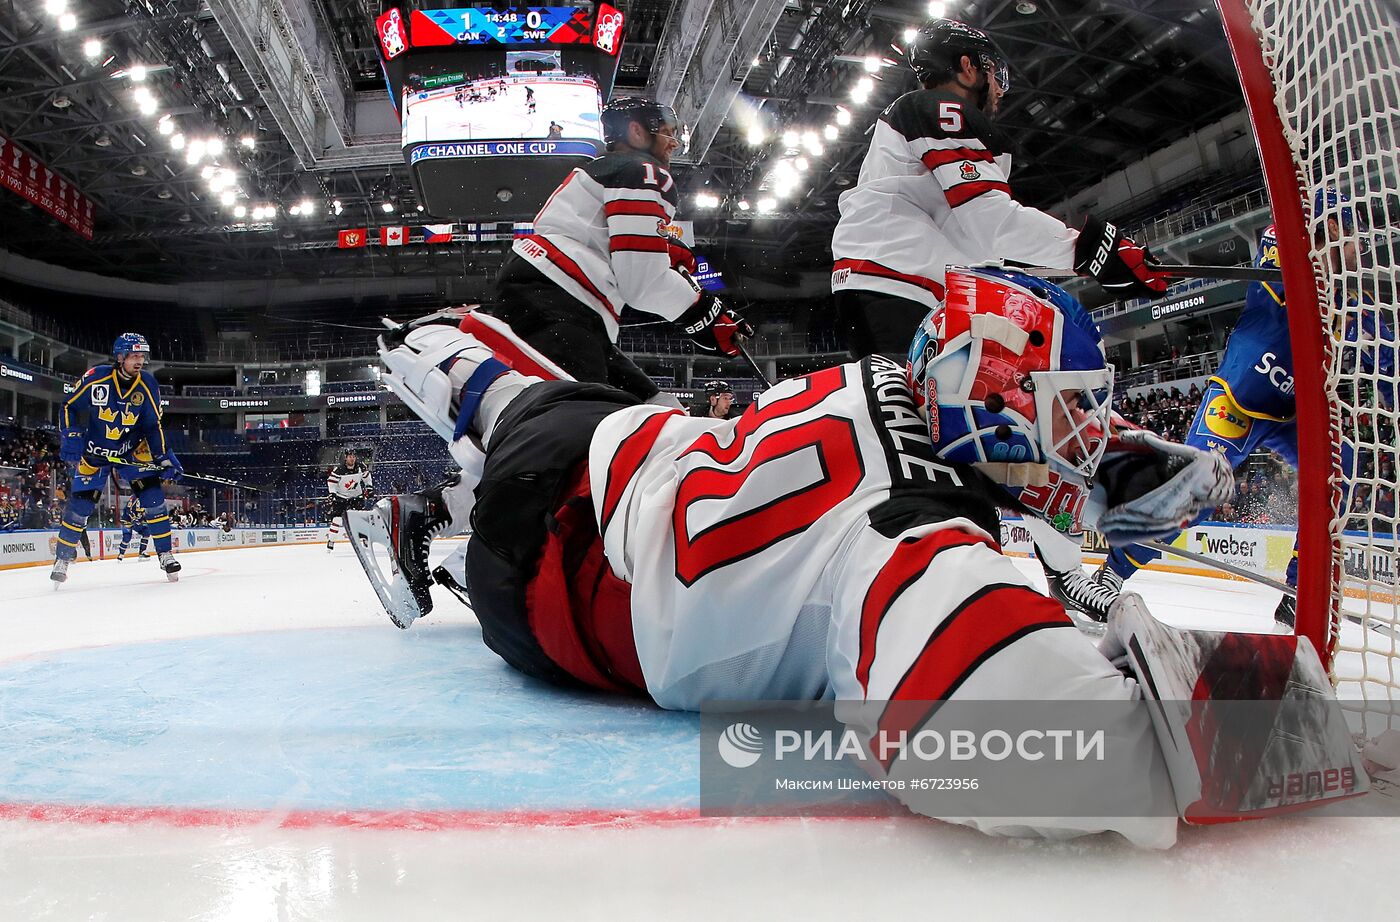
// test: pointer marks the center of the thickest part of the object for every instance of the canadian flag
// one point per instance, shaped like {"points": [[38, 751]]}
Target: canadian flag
{"points": [[393, 236]]}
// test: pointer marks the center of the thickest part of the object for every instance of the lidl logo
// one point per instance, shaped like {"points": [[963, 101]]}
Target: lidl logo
{"points": [[1224, 419]]}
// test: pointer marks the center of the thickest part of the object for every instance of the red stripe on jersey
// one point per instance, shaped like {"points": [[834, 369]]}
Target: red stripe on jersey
{"points": [[867, 267], [988, 621], [936, 158], [562, 260], [908, 562], [630, 454], [633, 206], [965, 192], [505, 349], [816, 387], [636, 243]]}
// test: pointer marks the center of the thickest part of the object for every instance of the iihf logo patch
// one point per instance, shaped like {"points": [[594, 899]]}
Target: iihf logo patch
{"points": [[969, 171]]}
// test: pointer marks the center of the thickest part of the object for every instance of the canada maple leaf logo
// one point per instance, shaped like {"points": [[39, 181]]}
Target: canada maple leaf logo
{"points": [[969, 171]]}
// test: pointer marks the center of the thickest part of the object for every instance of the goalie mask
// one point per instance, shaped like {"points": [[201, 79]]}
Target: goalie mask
{"points": [[1010, 375]]}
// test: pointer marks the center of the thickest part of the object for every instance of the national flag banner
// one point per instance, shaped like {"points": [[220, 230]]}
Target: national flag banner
{"points": [[355, 237], [393, 236], [524, 229], [437, 233], [484, 233]]}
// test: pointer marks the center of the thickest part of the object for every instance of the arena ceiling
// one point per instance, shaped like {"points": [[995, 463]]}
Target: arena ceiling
{"points": [[1097, 84]]}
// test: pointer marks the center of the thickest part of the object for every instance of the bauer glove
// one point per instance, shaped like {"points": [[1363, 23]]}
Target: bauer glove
{"points": [[713, 327], [1123, 268]]}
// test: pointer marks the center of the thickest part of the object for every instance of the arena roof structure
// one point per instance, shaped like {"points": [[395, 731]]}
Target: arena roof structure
{"points": [[292, 89]]}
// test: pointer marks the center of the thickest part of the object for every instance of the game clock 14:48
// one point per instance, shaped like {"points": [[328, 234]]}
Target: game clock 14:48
{"points": [[483, 26]]}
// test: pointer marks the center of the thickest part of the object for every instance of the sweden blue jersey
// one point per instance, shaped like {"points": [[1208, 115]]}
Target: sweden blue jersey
{"points": [[133, 514], [117, 422], [1257, 371]]}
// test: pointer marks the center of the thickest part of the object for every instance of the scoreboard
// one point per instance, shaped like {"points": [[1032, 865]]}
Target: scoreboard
{"points": [[520, 87]]}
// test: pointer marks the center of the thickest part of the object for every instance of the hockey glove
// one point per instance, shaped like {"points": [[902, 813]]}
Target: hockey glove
{"points": [[71, 451], [1118, 264], [714, 328], [1147, 488], [170, 467]]}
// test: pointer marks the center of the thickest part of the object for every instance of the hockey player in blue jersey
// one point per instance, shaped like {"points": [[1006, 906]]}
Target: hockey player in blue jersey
{"points": [[111, 425], [133, 521], [1249, 402]]}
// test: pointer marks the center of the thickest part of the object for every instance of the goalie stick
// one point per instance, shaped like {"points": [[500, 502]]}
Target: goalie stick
{"points": [[1375, 624]]}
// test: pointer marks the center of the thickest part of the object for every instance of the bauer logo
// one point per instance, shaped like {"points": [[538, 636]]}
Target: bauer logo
{"points": [[740, 745]]}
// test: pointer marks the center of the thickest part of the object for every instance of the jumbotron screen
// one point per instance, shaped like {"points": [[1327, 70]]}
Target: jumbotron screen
{"points": [[492, 116]]}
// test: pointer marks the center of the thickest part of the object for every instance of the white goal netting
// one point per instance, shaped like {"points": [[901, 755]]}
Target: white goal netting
{"points": [[1334, 66]]}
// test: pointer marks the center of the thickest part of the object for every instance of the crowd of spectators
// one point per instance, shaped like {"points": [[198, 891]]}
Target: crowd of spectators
{"points": [[28, 469], [1166, 411]]}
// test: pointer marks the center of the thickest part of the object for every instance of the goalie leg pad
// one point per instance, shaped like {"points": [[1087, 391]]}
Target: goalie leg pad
{"points": [[1248, 723]]}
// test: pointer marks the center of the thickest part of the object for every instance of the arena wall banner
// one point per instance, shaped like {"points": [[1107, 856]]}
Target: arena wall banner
{"points": [[1172, 308], [33, 180]]}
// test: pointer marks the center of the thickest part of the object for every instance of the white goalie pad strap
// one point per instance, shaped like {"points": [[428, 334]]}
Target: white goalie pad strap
{"points": [[1248, 723], [412, 372]]}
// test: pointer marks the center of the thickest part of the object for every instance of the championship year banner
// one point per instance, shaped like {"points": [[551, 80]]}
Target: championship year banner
{"points": [[35, 181]]}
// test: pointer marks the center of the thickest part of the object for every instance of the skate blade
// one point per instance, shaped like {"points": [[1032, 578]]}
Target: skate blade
{"points": [[173, 577], [1086, 625], [367, 531]]}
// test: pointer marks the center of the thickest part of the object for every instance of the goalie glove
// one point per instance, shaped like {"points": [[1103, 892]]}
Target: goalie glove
{"points": [[1148, 488]]}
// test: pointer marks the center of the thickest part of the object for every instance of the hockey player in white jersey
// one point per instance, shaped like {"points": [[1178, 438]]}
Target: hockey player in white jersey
{"points": [[347, 486], [838, 540], [933, 192], [602, 241]]}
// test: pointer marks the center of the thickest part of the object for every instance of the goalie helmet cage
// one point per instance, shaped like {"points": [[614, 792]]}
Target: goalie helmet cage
{"points": [[1321, 79]]}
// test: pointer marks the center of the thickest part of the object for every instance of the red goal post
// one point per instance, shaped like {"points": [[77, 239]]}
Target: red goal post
{"points": [[1321, 79]]}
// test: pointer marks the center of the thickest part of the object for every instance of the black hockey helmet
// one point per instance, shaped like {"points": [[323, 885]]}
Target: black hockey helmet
{"points": [[621, 111], [716, 388], [938, 48]]}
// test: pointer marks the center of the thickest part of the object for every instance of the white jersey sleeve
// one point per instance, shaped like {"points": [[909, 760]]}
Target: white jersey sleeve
{"points": [[347, 483], [933, 192]]}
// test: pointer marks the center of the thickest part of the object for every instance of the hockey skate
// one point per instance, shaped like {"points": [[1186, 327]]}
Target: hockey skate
{"points": [[171, 566], [400, 529], [1286, 614], [59, 573], [1078, 592]]}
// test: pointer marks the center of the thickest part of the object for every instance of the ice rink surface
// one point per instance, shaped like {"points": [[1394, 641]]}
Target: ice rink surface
{"points": [[258, 742]]}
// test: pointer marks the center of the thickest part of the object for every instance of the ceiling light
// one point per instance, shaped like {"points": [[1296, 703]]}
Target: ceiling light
{"points": [[148, 106], [215, 146], [164, 194], [197, 149], [937, 9], [294, 210], [92, 49], [767, 204], [207, 172], [336, 207], [193, 155], [791, 138], [141, 94], [55, 7], [165, 125], [843, 116], [248, 141], [308, 207], [239, 211], [859, 93], [62, 102], [910, 35], [103, 140], [743, 205], [228, 197], [756, 134], [757, 62], [831, 132], [136, 73], [67, 22], [387, 207], [872, 64], [421, 208], [138, 169], [177, 141], [801, 164]]}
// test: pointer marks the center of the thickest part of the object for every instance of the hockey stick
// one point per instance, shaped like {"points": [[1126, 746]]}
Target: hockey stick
{"points": [[209, 478], [758, 372], [1237, 273], [1380, 627]]}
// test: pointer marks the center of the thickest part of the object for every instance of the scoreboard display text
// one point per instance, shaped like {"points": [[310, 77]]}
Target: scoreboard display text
{"points": [[554, 25]]}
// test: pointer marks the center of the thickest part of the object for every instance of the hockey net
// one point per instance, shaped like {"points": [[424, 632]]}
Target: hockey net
{"points": [[1322, 82]]}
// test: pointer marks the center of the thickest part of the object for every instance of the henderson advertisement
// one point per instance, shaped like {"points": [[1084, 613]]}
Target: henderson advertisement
{"points": [[1176, 307]]}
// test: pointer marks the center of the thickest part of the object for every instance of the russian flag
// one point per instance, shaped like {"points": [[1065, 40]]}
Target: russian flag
{"points": [[437, 233], [524, 229]]}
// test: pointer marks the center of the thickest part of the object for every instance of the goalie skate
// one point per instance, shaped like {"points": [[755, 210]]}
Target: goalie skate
{"points": [[399, 529]]}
